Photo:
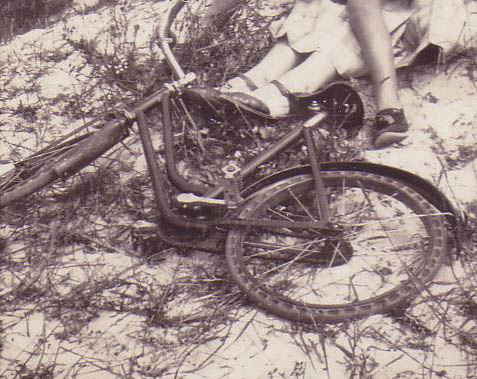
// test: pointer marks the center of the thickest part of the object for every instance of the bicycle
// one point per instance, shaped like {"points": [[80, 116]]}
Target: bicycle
{"points": [[322, 242]]}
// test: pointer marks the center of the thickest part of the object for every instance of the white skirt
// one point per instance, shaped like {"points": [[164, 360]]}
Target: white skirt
{"points": [[322, 25]]}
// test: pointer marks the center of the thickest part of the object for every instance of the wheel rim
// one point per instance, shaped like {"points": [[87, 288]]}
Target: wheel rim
{"points": [[383, 248]]}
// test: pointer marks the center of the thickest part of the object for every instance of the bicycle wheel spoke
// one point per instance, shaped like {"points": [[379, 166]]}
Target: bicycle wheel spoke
{"points": [[387, 240], [302, 206], [32, 173]]}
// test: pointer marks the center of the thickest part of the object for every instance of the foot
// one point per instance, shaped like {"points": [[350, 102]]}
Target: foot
{"points": [[240, 83], [260, 101], [390, 126], [215, 98]]}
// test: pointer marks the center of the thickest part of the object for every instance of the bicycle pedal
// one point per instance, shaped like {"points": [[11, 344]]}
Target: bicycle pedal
{"points": [[191, 199]]}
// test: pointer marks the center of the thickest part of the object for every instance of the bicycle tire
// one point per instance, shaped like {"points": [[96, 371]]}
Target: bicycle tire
{"points": [[35, 172], [393, 242]]}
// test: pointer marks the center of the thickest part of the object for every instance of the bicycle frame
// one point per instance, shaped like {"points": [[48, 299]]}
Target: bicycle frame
{"points": [[375, 245], [115, 131], [181, 183]]}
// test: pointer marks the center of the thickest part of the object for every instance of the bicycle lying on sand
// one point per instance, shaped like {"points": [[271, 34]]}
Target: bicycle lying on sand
{"points": [[322, 242]]}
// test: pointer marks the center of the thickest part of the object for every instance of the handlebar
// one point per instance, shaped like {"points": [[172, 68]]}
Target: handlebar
{"points": [[163, 33], [182, 82]]}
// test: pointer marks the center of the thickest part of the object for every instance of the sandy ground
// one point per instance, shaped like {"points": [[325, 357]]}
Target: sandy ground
{"points": [[207, 329]]}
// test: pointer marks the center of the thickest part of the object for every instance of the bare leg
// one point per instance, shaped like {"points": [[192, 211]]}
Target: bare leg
{"points": [[390, 125], [372, 34], [309, 76], [313, 73], [280, 59]]}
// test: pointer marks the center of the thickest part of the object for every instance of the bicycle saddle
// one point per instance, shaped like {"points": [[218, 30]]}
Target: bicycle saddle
{"points": [[218, 102], [342, 103]]}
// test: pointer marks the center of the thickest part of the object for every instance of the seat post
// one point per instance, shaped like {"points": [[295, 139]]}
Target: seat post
{"points": [[315, 165]]}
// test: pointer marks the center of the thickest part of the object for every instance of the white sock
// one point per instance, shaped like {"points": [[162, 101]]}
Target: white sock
{"points": [[273, 98]]}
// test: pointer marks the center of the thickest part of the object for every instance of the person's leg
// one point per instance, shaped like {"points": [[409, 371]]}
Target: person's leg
{"points": [[371, 32], [280, 59], [312, 74]]}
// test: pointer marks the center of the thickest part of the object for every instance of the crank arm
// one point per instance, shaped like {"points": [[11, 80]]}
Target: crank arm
{"points": [[318, 226], [315, 225]]}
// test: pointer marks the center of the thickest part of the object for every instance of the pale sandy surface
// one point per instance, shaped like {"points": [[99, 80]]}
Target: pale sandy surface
{"points": [[207, 332]]}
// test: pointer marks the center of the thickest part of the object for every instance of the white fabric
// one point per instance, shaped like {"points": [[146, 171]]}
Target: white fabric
{"points": [[321, 25]]}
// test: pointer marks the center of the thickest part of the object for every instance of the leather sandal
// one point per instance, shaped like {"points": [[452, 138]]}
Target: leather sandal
{"points": [[248, 82], [390, 126]]}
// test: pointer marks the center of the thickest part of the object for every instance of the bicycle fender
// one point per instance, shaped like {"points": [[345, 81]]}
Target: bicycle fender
{"points": [[425, 188]]}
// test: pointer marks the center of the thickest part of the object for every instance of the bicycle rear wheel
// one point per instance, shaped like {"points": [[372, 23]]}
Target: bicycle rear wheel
{"points": [[392, 242]]}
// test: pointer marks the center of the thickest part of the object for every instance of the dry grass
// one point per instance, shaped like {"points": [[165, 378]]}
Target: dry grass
{"points": [[84, 295]]}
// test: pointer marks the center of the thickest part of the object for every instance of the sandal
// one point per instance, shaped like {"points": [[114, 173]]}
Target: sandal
{"points": [[390, 126], [248, 82], [246, 85]]}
